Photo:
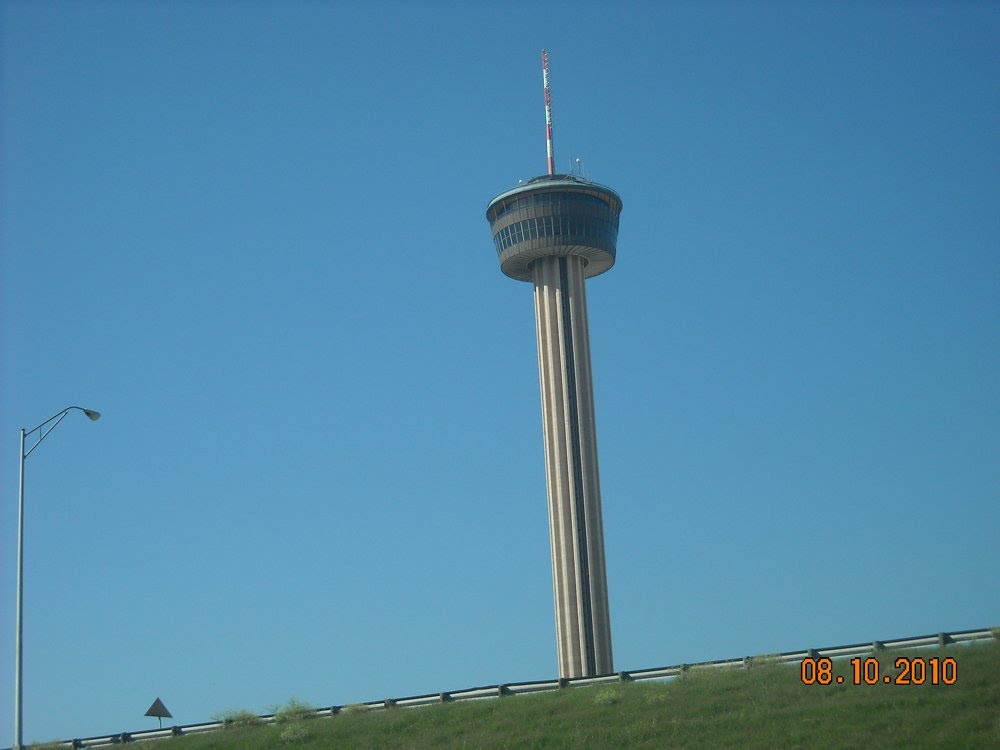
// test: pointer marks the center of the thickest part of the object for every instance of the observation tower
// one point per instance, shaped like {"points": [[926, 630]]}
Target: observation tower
{"points": [[555, 231]]}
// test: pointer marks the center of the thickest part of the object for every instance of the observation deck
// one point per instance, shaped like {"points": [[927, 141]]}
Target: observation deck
{"points": [[553, 215]]}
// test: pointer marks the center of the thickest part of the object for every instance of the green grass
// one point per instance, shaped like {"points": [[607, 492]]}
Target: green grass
{"points": [[766, 706]]}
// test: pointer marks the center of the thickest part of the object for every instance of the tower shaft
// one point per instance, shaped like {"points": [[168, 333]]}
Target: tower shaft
{"points": [[583, 628]]}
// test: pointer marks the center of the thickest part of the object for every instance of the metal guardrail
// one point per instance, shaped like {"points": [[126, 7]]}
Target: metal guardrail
{"points": [[486, 692]]}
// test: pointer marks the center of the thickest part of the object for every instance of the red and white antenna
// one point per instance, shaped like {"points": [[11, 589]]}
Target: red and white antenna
{"points": [[548, 112]]}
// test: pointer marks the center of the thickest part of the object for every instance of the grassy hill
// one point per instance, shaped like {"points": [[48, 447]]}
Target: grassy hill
{"points": [[767, 706]]}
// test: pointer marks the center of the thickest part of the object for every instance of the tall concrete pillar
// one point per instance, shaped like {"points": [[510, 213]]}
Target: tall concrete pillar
{"points": [[576, 532]]}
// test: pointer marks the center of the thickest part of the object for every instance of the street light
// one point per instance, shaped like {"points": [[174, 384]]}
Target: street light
{"points": [[49, 425]]}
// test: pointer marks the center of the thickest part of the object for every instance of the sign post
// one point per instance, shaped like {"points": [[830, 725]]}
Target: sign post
{"points": [[159, 711]]}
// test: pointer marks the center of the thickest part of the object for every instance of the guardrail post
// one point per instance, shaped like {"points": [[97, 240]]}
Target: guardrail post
{"points": [[503, 691], [390, 703], [624, 677], [76, 744], [747, 662], [176, 731], [563, 682], [445, 697], [334, 710], [944, 639], [878, 646]]}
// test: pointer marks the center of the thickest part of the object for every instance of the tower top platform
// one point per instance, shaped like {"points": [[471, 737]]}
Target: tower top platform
{"points": [[558, 214]]}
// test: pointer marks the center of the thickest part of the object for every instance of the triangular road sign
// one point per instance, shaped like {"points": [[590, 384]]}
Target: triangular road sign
{"points": [[159, 710]]}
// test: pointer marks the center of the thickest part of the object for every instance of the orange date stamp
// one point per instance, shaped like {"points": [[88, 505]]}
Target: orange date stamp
{"points": [[905, 670]]}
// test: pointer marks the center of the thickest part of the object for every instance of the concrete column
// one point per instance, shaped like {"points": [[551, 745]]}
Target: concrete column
{"points": [[576, 532]]}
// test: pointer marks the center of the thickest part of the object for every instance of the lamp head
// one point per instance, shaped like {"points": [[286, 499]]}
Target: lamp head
{"points": [[92, 415]]}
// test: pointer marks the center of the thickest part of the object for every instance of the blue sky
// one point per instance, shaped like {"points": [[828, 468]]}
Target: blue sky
{"points": [[253, 236]]}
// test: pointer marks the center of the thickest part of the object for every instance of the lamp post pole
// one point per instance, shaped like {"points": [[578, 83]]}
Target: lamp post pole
{"points": [[20, 597], [19, 613]]}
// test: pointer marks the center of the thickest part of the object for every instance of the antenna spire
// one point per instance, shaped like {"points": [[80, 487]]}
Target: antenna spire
{"points": [[548, 112]]}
